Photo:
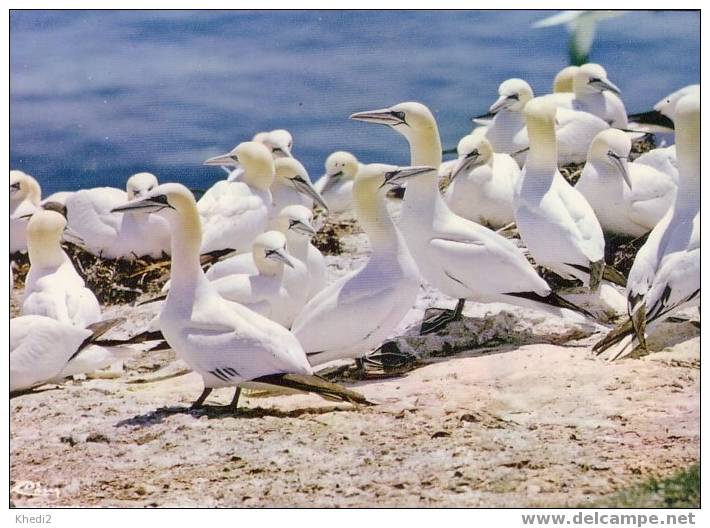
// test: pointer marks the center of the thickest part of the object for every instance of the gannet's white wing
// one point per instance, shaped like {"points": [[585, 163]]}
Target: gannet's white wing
{"points": [[89, 216], [579, 220], [235, 265], [651, 195], [662, 159], [246, 289], [575, 131], [677, 282], [40, 348], [232, 214]]}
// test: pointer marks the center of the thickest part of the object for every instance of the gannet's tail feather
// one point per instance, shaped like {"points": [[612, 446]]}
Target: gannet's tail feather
{"points": [[97, 330], [552, 300], [148, 335], [315, 384]]}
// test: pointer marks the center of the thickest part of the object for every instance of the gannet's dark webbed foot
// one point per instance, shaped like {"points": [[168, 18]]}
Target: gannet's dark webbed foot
{"points": [[436, 323], [638, 319], [359, 369], [201, 400], [389, 357], [235, 401]]}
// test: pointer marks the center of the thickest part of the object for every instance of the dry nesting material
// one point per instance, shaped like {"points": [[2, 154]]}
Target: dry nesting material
{"points": [[118, 281], [329, 238]]}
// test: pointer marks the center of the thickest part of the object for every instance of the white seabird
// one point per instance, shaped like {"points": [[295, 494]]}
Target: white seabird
{"points": [[25, 196], [665, 276], [115, 235], [564, 80], [355, 314], [454, 254], [224, 342], [279, 142], [266, 291], [44, 350], [53, 287], [233, 213], [628, 198], [336, 185], [482, 183], [554, 220], [292, 186]]}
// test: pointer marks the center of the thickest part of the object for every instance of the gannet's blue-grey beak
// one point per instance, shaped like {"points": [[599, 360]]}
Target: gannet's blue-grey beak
{"points": [[504, 101], [279, 255], [332, 180], [301, 227], [654, 118], [465, 163], [225, 160], [604, 84], [145, 205], [622, 164], [384, 116], [401, 174], [306, 188]]}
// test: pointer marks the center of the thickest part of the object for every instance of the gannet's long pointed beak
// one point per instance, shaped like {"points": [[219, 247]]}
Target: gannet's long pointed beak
{"points": [[301, 228], [145, 205], [623, 165], [307, 189], [223, 160], [280, 256], [401, 174], [605, 84], [282, 152], [383, 116], [502, 102], [653, 117], [332, 180], [464, 164]]}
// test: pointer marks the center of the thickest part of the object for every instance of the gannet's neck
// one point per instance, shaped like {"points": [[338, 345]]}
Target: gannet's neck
{"points": [[688, 156], [45, 250], [372, 214], [543, 146], [186, 240], [425, 146], [297, 245], [261, 178], [34, 191], [267, 267]]}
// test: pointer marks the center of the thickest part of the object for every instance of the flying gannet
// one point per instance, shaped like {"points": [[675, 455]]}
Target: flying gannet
{"points": [[482, 183], [355, 314], [665, 276], [226, 343], [53, 287], [460, 258], [336, 185], [628, 198], [115, 235], [25, 196]]}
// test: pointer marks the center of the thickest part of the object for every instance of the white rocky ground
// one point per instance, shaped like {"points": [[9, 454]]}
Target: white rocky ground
{"points": [[522, 415]]}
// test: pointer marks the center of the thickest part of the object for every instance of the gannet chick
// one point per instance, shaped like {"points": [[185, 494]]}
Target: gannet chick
{"points": [[292, 186], [295, 223], [564, 80], [665, 276], [628, 198], [234, 213], [224, 342], [554, 220], [336, 185], [453, 253], [482, 183], [25, 196], [44, 350], [506, 133], [355, 314], [53, 287], [113, 235], [266, 292]]}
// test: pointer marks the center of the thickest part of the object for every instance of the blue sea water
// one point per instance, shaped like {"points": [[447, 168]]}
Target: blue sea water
{"points": [[98, 95]]}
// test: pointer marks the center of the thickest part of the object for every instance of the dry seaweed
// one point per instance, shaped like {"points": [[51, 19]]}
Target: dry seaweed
{"points": [[328, 239]]}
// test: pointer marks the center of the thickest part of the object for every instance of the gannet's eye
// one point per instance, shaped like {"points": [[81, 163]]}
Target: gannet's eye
{"points": [[613, 154], [151, 188], [298, 178], [161, 199], [234, 157], [515, 97], [290, 144], [15, 186], [593, 80], [399, 115]]}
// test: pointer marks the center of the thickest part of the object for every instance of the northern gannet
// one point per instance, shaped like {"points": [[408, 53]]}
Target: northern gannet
{"points": [[25, 196], [44, 350], [279, 142], [355, 314], [628, 198], [114, 235], [226, 343], [266, 291], [660, 119], [336, 185], [292, 186], [482, 183], [665, 276], [460, 258], [233, 213], [53, 287], [564, 79], [554, 220], [295, 223]]}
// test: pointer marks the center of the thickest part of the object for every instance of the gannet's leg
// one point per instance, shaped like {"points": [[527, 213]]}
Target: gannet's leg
{"points": [[199, 401], [638, 319], [235, 400], [596, 272], [359, 368], [443, 319]]}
